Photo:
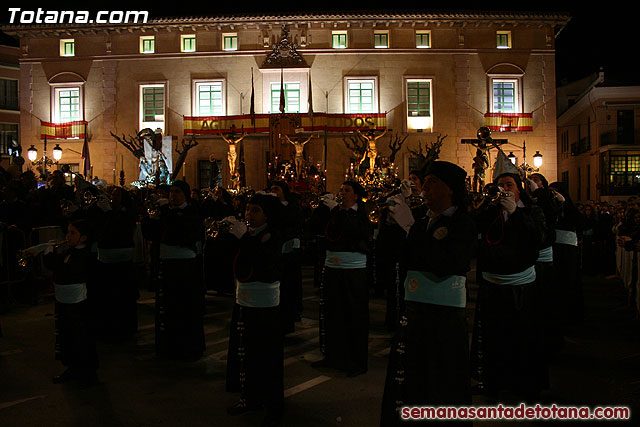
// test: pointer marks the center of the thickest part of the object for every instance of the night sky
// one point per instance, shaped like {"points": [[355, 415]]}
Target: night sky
{"points": [[595, 37]]}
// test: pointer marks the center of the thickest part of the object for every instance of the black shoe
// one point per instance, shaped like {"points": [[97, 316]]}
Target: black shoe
{"points": [[63, 377], [240, 408], [323, 363], [355, 372]]}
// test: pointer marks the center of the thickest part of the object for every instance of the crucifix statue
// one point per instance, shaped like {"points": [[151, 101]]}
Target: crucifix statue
{"points": [[372, 150], [298, 144], [232, 155]]}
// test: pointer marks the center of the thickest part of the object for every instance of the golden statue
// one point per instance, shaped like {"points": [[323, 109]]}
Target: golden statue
{"points": [[232, 155], [299, 146], [371, 151]]}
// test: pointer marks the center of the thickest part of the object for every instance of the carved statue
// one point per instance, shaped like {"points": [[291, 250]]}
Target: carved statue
{"points": [[480, 164], [372, 150], [299, 146], [232, 155]]}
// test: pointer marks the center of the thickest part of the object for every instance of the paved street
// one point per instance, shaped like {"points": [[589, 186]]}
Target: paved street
{"points": [[600, 365]]}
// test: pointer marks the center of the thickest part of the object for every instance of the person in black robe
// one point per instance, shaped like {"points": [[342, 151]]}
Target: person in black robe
{"points": [[255, 365], [291, 233], [179, 296], [566, 261], [429, 359], [116, 288], [345, 294], [219, 248], [510, 340], [75, 343]]}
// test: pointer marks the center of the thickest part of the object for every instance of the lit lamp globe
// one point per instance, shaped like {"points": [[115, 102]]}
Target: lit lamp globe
{"points": [[512, 157], [537, 159], [57, 153], [32, 153]]}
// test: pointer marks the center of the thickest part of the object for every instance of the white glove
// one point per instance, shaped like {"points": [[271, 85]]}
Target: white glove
{"points": [[329, 200], [237, 228], [532, 185], [508, 203], [400, 212], [405, 188]]}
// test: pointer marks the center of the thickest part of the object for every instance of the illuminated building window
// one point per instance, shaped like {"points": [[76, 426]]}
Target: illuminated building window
{"points": [[291, 97], [423, 39], [67, 47], [419, 104], [361, 96], [230, 41], [188, 43], [381, 39], [147, 44], [152, 106], [67, 104], [339, 39], [503, 39], [505, 96], [209, 98]]}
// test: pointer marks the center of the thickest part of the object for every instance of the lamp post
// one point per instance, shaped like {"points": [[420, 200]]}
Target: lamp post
{"points": [[528, 169], [44, 161]]}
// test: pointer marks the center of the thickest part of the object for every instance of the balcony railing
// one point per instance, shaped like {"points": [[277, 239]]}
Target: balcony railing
{"points": [[612, 138]]}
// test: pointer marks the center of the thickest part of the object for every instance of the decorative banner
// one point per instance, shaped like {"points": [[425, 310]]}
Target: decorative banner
{"points": [[63, 130], [509, 122], [333, 123]]}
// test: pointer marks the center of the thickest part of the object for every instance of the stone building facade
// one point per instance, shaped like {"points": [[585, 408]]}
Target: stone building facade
{"points": [[427, 74]]}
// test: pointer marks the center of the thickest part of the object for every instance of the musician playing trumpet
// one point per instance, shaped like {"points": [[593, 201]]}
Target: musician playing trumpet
{"points": [[512, 232], [430, 366]]}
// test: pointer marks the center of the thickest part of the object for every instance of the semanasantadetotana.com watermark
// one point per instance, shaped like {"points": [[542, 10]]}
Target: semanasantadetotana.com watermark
{"points": [[40, 16]]}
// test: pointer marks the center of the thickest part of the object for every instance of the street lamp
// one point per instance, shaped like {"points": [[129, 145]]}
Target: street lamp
{"points": [[57, 153], [44, 161], [512, 157], [537, 159], [32, 153]]}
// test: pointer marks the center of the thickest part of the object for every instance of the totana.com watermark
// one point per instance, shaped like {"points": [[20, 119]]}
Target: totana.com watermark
{"points": [[40, 16]]}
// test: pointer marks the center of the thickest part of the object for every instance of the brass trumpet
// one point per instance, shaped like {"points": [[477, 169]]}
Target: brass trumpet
{"points": [[493, 192], [213, 228], [26, 256]]}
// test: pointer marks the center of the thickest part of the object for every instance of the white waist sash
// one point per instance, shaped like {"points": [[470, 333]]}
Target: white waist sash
{"points": [[545, 255], [258, 294], [565, 237], [71, 294], [420, 286], [345, 260], [515, 279]]}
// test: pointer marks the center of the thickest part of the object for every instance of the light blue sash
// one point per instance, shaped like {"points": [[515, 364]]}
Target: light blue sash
{"points": [[420, 286], [71, 294], [258, 294], [545, 255], [345, 260], [115, 255], [290, 245], [515, 279], [565, 237], [175, 252]]}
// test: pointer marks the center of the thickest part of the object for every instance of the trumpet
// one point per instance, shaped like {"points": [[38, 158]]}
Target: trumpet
{"points": [[26, 256], [493, 192], [213, 228], [88, 198]]}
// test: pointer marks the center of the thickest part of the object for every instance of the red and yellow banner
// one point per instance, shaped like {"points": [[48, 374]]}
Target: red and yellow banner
{"points": [[509, 122], [333, 123], [63, 130]]}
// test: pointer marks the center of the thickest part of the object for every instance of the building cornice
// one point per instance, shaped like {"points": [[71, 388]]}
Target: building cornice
{"points": [[275, 21]]}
